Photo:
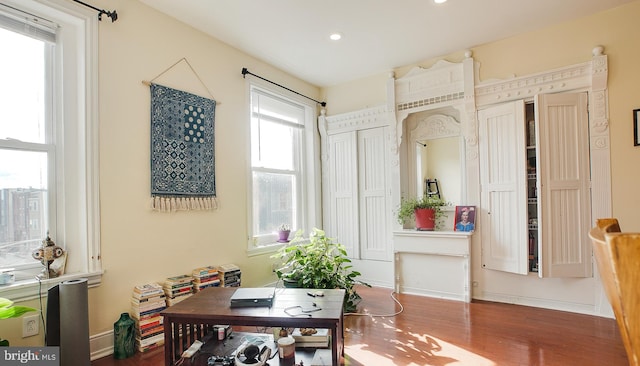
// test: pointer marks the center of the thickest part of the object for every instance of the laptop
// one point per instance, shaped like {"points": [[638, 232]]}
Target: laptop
{"points": [[252, 297]]}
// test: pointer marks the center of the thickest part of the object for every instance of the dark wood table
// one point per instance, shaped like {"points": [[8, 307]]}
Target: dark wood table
{"points": [[193, 319]]}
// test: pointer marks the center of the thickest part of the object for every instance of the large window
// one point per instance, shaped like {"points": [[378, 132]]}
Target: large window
{"points": [[280, 192], [26, 145], [48, 140]]}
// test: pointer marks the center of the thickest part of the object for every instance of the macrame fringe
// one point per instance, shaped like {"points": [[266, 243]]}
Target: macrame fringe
{"points": [[173, 204]]}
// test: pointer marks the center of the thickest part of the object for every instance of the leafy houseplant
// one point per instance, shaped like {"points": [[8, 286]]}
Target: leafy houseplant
{"points": [[319, 263], [7, 310], [411, 208]]}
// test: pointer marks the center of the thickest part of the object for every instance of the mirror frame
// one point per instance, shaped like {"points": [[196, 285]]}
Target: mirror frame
{"points": [[439, 125]]}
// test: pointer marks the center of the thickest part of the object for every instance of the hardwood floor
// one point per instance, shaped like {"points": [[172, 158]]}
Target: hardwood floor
{"points": [[441, 332]]}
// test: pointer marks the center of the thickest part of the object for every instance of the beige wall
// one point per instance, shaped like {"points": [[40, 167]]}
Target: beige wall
{"points": [[570, 43], [550, 48], [553, 47], [139, 246]]}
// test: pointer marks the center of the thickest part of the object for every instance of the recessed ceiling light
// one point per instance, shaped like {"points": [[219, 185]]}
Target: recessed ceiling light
{"points": [[439, 1], [335, 36]]}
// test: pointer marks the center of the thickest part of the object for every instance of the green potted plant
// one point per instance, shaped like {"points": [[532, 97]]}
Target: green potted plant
{"points": [[319, 263], [7, 310], [427, 211]]}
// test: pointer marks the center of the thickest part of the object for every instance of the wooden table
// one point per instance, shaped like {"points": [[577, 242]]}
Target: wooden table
{"points": [[193, 318]]}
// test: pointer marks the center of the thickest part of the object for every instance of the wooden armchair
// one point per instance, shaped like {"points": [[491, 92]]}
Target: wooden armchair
{"points": [[618, 258]]}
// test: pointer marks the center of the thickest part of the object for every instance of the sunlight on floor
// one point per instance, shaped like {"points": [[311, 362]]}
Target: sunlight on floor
{"points": [[415, 355]]}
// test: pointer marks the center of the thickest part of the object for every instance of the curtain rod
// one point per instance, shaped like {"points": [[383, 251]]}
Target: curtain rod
{"points": [[245, 72], [111, 14]]}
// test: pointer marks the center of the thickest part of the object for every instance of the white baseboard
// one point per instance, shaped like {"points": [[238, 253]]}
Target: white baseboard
{"points": [[431, 293], [539, 303], [101, 345]]}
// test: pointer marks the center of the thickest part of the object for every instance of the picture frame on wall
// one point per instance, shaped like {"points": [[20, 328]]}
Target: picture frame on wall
{"points": [[465, 218], [636, 129]]}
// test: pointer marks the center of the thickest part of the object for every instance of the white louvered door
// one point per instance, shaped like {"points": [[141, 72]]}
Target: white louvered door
{"points": [[372, 194], [343, 188], [563, 186], [503, 188], [357, 188], [564, 181]]}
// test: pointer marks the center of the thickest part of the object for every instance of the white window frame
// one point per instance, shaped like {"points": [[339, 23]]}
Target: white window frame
{"points": [[75, 114], [310, 167]]}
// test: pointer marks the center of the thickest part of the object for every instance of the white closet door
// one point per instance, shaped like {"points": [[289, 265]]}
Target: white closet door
{"points": [[373, 203], [343, 188], [503, 197], [564, 181]]}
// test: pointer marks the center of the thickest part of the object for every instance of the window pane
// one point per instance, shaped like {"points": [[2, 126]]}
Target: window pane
{"points": [[23, 205], [22, 93], [276, 108], [275, 143], [274, 202]]}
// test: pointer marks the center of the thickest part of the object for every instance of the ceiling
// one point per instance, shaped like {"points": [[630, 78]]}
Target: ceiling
{"points": [[378, 35]]}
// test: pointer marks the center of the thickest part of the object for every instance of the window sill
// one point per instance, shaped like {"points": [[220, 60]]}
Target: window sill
{"points": [[273, 247], [265, 249], [32, 289]]}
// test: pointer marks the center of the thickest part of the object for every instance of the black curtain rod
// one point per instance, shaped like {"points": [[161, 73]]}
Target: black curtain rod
{"points": [[111, 14], [245, 72]]}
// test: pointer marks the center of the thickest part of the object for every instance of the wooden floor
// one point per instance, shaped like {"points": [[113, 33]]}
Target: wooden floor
{"points": [[441, 332]]}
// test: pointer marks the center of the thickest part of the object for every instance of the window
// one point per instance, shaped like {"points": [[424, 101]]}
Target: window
{"points": [[282, 189], [48, 140], [26, 145]]}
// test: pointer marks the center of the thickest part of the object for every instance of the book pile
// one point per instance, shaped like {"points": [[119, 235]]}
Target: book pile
{"points": [[311, 337], [229, 275], [204, 277], [178, 288], [147, 302]]}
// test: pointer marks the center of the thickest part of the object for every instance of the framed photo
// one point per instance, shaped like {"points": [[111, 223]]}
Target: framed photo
{"points": [[636, 129], [465, 218]]}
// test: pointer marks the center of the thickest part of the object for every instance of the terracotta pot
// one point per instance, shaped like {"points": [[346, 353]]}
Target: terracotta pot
{"points": [[425, 219]]}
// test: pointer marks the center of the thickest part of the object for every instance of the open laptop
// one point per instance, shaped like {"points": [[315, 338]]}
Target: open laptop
{"points": [[252, 297]]}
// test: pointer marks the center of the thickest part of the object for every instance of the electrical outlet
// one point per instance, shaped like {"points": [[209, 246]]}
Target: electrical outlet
{"points": [[30, 325]]}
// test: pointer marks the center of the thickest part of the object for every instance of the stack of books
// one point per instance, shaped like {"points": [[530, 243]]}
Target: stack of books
{"points": [[178, 288], [311, 337], [204, 277], [229, 275], [147, 301]]}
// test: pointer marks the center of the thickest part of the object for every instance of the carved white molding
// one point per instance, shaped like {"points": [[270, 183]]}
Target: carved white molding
{"points": [[435, 127], [445, 84], [599, 102], [357, 120], [589, 76], [422, 89], [564, 79], [441, 87]]}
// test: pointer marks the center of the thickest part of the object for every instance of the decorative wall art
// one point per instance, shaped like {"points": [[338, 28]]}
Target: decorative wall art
{"points": [[182, 150], [465, 218]]}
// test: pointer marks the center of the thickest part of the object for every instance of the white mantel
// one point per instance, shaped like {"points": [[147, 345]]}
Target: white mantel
{"points": [[433, 263]]}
